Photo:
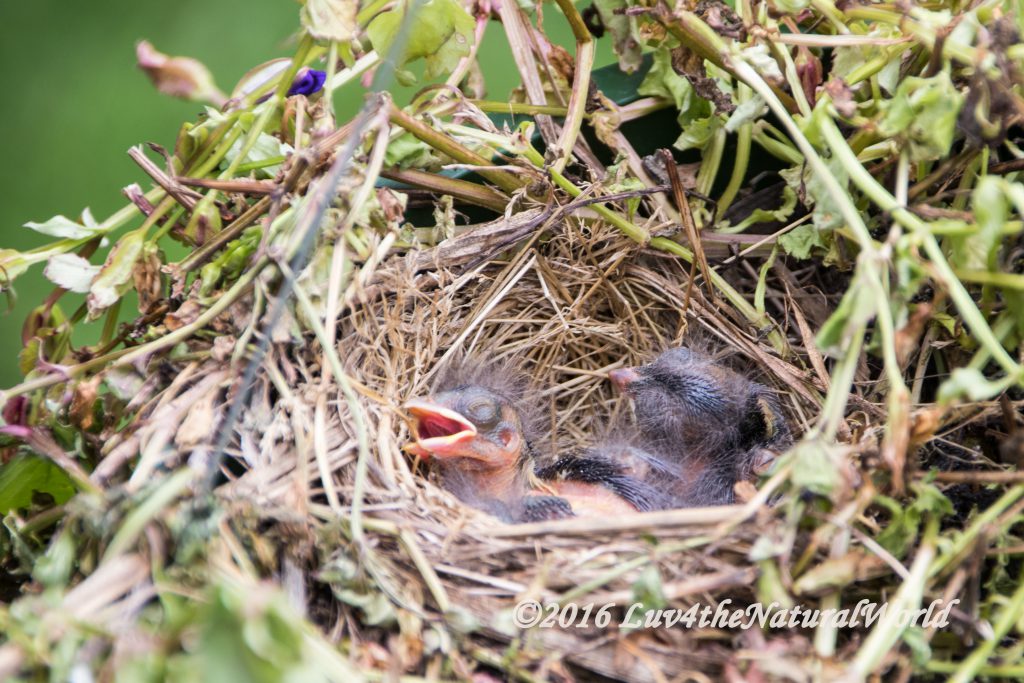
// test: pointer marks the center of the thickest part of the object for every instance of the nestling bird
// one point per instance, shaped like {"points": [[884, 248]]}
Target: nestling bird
{"points": [[478, 433], [717, 426]]}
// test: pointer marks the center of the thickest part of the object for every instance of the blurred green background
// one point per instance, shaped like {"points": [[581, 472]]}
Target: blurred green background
{"points": [[76, 102]]}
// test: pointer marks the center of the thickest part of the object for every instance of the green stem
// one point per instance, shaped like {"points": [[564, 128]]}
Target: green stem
{"points": [[493, 107], [446, 145], [742, 161], [885, 201], [472, 193], [580, 84], [1008, 616], [886, 634]]}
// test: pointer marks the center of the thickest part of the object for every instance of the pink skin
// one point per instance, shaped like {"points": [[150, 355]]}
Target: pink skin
{"points": [[441, 433], [623, 377]]}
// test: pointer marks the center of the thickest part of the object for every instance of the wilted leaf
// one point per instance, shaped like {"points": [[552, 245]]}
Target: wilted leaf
{"points": [[114, 278], [70, 271], [260, 76], [441, 33], [923, 112], [123, 381], [147, 278], [181, 77], [83, 403], [330, 19], [802, 240], [185, 315], [839, 571], [197, 427], [624, 33]]}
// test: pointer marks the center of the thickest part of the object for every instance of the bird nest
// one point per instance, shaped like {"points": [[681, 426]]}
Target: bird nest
{"points": [[220, 485], [573, 301]]}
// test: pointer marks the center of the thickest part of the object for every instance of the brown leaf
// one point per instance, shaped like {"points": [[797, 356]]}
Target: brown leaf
{"points": [[148, 279], [198, 425], [842, 97], [83, 402], [182, 77], [185, 315]]}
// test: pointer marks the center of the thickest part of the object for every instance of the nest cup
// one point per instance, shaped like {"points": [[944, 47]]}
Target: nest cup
{"points": [[570, 303]]}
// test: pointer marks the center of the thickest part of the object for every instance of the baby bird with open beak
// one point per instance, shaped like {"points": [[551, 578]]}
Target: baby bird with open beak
{"points": [[716, 425], [476, 436]]}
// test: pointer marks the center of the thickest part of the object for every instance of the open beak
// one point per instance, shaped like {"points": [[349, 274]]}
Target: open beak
{"points": [[438, 431], [623, 377]]}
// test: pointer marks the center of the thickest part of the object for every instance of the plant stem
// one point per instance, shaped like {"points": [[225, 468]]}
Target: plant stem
{"points": [[446, 145], [885, 201], [580, 84], [1009, 614]]}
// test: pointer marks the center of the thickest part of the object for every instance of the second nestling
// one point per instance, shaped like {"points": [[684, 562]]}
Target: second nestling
{"points": [[715, 426]]}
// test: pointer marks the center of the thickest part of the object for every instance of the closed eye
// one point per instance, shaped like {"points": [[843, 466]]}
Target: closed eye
{"points": [[482, 412]]}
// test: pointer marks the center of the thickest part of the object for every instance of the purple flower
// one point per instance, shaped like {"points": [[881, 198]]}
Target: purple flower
{"points": [[307, 82]]}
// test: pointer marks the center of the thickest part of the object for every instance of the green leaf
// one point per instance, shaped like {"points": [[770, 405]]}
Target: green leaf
{"points": [[115, 277], [28, 474], [697, 133], [802, 240], [748, 111], [815, 466], [441, 33], [847, 60], [649, 588], [663, 81], [857, 307], [65, 228], [905, 523], [266, 147], [54, 568], [923, 113], [330, 19], [971, 384], [978, 250], [407, 151], [777, 215]]}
